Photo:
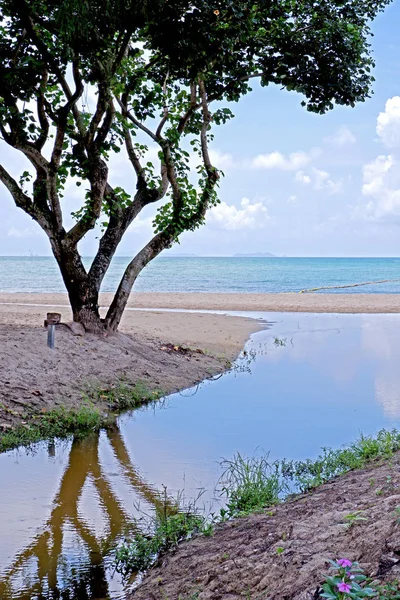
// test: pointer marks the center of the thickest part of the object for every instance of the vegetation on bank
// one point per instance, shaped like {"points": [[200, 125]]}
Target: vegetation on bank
{"points": [[347, 580], [251, 485], [83, 420]]}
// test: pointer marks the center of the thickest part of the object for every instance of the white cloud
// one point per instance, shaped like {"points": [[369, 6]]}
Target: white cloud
{"points": [[375, 175], [290, 162], [320, 181], [13, 232], [301, 177], [292, 199], [248, 216], [388, 124], [221, 160], [141, 224], [381, 183], [342, 137]]}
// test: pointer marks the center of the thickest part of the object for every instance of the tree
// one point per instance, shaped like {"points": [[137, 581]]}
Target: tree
{"points": [[163, 72]]}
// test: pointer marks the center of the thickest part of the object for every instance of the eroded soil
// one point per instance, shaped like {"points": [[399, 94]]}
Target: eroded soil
{"points": [[244, 559]]}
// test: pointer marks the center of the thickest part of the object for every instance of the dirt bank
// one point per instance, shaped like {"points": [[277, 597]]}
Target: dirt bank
{"points": [[244, 558], [35, 378]]}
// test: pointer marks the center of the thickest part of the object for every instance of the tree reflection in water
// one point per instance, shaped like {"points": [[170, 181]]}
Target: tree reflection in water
{"points": [[43, 571]]}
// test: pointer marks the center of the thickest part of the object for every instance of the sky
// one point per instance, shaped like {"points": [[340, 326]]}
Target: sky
{"points": [[296, 183]]}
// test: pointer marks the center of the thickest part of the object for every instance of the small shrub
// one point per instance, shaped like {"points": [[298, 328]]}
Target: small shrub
{"points": [[251, 484], [164, 532]]}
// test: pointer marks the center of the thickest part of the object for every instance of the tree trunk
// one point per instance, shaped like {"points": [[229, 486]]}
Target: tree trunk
{"points": [[83, 292], [151, 250]]}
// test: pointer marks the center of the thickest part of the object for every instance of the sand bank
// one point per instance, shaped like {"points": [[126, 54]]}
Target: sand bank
{"points": [[34, 378], [291, 302], [283, 553]]}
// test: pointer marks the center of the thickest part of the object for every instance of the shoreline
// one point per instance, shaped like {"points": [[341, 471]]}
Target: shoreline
{"points": [[154, 354], [283, 551], [351, 303]]}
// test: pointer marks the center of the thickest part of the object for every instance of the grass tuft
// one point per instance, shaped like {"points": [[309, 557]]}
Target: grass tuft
{"points": [[251, 484], [164, 531], [57, 423], [87, 418], [123, 396]]}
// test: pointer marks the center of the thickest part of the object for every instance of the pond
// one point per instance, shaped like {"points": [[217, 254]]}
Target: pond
{"points": [[303, 382]]}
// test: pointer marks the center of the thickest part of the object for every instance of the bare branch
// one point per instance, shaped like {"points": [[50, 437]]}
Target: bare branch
{"points": [[47, 57], [30, 151], [165, 108], [98, 115], [204, 129], [138, 124], [98, 180], [134, 159], [194, 105], [107, 123]]}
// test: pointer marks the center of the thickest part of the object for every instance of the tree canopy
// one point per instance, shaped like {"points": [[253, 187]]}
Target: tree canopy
{"points": [[164, 73]]}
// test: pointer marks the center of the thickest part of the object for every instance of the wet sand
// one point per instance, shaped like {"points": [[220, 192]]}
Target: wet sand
{"points": [[288, 302]]}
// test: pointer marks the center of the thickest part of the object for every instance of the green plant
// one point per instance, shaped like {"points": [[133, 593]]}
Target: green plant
{"points": [[389, 591], [126, 396], [354, 517], [280, 342], [250, 484], [397, 514], [347, 581], [57, 423], [163, 532], [305, 475]]}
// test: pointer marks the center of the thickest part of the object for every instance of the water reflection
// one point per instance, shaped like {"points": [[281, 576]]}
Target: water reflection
{"points": [[306, 382], [67, 560]]}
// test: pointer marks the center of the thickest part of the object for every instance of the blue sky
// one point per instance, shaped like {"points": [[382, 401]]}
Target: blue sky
{"points": [[295, 183]]}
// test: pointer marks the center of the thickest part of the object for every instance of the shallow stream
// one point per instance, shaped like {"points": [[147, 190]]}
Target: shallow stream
{"points": [[304, 382]]}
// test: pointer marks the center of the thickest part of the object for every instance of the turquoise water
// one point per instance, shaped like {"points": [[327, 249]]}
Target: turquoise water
{"points": [[167, 274]]}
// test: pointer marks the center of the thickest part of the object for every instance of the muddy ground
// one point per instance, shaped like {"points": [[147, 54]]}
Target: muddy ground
{"points": [[244, 559]]}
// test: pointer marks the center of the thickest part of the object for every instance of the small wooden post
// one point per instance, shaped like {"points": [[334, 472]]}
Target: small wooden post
{"points": [[51, 330], [52, 320]]}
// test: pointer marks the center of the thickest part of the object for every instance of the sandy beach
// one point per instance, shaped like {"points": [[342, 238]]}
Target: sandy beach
{"points": [[290, 302], [165, 351]]}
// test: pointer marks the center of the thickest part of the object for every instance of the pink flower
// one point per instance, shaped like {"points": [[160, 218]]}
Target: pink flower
{"points": [[344, 587], [344, 562]]}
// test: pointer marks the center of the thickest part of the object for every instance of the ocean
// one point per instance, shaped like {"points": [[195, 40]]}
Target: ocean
{"points": [[206, 274]]}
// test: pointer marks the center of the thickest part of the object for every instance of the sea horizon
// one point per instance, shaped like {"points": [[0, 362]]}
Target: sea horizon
{"points": [[219, 274]]}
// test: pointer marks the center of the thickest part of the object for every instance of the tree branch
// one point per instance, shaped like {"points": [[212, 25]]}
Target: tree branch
{"points": [[194, 105], [165, 108], [138, 124], [41, 111], [23, 201], [156, 245]]}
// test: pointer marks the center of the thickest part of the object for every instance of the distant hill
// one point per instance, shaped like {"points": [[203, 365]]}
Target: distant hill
{"points": [[181, 255], [255, 255]]}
